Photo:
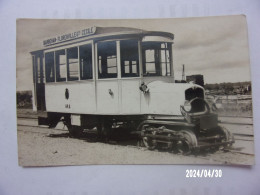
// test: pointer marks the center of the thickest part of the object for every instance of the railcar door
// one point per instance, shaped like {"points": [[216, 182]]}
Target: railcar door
{"points": [[107, 78], [118, 77], [130, 77], [38, 81]]}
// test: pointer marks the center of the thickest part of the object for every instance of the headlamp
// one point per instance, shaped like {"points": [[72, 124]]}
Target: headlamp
{"points": [[187, 106]]}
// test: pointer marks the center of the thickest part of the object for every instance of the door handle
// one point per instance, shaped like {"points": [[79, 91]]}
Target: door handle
{"points": [[110, 92]]}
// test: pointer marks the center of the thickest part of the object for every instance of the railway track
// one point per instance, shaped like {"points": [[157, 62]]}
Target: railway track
{"points": [[231, 156], [220, 122], [234, 117]]}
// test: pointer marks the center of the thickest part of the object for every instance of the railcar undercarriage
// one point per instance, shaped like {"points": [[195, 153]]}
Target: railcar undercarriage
{"points": [[180, 139], [195, 130]]}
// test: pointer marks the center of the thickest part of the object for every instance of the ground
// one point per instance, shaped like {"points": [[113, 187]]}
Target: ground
{"points": [[41, 146]]}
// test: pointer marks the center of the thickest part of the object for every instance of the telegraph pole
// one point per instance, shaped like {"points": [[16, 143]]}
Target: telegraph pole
{"points": [[183, 73]]}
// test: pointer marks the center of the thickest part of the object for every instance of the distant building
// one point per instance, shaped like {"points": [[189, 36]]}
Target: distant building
{"points": [[197, 79], [242, 88]]}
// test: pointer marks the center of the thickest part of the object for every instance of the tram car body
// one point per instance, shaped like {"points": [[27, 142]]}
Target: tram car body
{"points": [[101, 77]]}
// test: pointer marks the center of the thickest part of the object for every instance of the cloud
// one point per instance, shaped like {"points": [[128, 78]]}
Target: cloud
{"points": [[220, 44], [210, 46], [205, 32]]}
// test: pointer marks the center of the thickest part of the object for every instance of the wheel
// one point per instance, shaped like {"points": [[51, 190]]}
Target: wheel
{"points": [[170, 144], [228, 136], [75, 131], [149, 142], [104, 130], [187, 143]]}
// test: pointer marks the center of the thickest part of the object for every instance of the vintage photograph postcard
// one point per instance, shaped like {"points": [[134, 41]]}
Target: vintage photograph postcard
{"points": [[140, 91]]}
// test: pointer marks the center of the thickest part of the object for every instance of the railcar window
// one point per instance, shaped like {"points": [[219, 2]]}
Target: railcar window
{"points": [[40, 70], [73, 64], [129, 58], [156, 59], [85, 62], [60, 61], [107, 60], [49, 66], [39, 78], [34, 69]]}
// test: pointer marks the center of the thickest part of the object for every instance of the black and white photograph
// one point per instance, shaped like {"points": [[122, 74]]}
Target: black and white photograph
{"points": [[134, 91]]}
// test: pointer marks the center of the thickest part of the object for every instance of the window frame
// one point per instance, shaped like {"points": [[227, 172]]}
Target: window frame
{"points": [[138, 68], [117, 59], [94, 59], [92, 62], [69, 77], [119, 75], [170, 58], [89, 42], [54, 67]]}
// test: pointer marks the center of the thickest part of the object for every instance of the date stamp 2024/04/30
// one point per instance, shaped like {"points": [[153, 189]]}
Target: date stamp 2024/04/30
{"points": [[204, 173]]}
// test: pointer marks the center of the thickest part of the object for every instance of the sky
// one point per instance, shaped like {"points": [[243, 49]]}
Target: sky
{"points": [[216, 47]]}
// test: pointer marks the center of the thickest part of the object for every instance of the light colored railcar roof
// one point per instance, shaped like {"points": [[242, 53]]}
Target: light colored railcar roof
{"points": [[105, 30], [103, 33], [123, 30]]}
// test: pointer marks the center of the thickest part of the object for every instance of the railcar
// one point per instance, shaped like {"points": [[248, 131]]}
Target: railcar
{"points": [[104, 77]]}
